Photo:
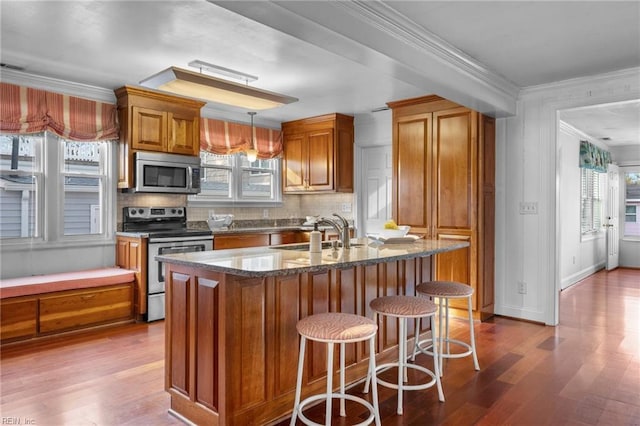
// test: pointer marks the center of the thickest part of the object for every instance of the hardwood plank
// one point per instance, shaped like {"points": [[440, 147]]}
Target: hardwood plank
{"points": [[586, 371]]}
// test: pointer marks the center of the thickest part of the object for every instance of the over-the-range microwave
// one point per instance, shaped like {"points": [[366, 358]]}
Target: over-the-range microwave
{"points": [[168, 173]]}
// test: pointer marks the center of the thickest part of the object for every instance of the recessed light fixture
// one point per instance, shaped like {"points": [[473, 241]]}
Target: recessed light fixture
{"points": [[203, 86]]}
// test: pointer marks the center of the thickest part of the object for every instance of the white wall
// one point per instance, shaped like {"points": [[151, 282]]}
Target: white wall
{"points": [[527, 249], [579, 257]]}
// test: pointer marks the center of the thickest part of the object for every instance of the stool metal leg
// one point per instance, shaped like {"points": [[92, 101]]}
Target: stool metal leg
{"points": [[473, 338], [401, 361], [298, 381], [374, 380], [366, 382], [342, 410], [436, 359], [329, 382]]}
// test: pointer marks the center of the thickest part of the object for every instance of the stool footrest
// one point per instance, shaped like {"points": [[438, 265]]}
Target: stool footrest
{"points": [[323, 397], [425, 350], [425, 370]]}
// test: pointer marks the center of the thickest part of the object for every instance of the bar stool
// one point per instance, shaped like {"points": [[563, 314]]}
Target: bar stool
{"points": [[403, 308], [444, 291], [334, 328]]}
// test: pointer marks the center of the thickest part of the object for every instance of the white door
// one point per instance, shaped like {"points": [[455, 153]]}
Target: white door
{"points": [[376, 187], [612, 222]]}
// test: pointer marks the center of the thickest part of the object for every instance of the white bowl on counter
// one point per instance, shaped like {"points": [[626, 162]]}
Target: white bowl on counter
{"points": [[402, 231], [220, 221]]}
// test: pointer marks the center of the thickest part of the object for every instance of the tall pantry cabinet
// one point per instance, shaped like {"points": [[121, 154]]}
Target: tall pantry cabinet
{"points": [[444, 187]]}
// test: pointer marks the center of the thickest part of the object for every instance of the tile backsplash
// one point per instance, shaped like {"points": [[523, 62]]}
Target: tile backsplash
{"points": [[293, 206]]}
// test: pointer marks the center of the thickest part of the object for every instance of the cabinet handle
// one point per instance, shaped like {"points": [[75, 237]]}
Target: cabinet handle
{"points": [[88, 296]]}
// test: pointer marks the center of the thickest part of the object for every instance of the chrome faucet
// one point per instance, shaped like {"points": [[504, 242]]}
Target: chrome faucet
{"points": [[341, 227]]}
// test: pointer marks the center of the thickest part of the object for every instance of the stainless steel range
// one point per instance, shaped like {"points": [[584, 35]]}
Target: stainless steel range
{"points": [[167, 232]]}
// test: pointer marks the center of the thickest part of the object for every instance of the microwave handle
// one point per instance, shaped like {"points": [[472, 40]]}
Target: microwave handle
{"points": [[190, 180]]}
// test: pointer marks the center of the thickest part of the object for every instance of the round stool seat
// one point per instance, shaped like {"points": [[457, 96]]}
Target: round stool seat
{"points": [[450, 289], [337, 327], [444, 291], [403, 306]]}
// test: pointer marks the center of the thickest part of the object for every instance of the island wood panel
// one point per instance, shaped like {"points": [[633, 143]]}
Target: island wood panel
{"points": [[252, 379], [178, 340], [207, 343], [287, 296]]}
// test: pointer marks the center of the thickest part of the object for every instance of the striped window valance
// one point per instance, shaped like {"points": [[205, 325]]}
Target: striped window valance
{"points": [[26, 110], [224, 137], [593, 157]]}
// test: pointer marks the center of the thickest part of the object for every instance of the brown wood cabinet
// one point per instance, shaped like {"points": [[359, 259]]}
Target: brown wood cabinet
{"points": [[18, 318], [154, 121], [318, 154], [444, 187], [232, 345], [131, 253], [46, 314], [81, 308], [258, 239]]}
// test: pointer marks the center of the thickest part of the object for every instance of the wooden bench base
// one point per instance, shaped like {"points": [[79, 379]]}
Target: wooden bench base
{"points": [[45, 305]]}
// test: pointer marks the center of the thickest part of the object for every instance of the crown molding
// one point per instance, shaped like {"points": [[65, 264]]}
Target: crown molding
{"points": [[632, 74], [378, 37], [383, 17], [56, 85]]}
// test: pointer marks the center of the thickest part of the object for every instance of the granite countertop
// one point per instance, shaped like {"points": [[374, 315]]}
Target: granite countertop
{"points": [[275, 260]]}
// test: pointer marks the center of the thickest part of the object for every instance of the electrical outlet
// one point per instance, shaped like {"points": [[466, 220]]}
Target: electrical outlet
{"points": [[522, 287], [265, 213], [346, 207], [528, 207]]}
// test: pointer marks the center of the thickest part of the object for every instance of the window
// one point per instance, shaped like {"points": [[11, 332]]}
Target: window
{"points": [[233, 179], [83, 179], [53, 189], [632, 204], [590, 201], [20, 185]]}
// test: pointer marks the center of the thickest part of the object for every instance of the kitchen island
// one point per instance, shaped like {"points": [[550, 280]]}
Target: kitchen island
{"points": [[231, 339]]}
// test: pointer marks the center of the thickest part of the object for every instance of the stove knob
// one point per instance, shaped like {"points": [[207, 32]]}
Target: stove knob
{"points": [[173, 211], [140, 211], [180, 211], [132, 212]]}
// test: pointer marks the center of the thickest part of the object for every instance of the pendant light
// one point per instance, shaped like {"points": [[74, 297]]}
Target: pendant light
{"points": [[252, 153]]}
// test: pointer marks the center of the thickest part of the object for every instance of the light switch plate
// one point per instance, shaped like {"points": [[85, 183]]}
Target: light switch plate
{"points": [[528, 207]]}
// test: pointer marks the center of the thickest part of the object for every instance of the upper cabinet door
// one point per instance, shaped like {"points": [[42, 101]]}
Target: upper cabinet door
{"points": [[318, 154], [184, 134], [294, 163], [455, 153], [149, 129], [411, 197], [320, 160]]}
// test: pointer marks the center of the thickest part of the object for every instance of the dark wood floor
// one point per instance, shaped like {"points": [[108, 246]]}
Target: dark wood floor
{"points": [[586, 371]]}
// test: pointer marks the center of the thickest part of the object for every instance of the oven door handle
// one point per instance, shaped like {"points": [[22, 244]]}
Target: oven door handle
{"points": [[181, 249], [180, 239]]}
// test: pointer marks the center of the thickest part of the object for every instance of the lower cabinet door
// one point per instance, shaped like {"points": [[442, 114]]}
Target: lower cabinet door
{"points": [[18, 318], [80, 308]]}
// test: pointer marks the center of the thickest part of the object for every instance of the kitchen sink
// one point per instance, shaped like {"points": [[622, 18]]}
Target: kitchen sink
{"points": [[305, 246]]}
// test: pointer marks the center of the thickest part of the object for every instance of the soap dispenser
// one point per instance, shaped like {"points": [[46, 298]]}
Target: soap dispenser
{"points": [[315, 240]]}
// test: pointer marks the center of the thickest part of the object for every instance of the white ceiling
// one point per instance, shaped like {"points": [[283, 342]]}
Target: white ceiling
{"points": [[348, 57]]}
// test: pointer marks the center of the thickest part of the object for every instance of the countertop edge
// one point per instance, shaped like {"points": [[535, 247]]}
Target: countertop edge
{"points": [[179, 260]]}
